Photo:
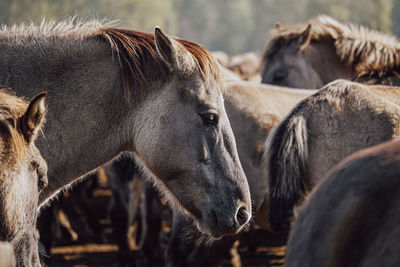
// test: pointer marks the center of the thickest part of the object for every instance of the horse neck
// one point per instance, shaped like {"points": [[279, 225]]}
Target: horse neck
{"points": [[325, 61], [87, 122]]}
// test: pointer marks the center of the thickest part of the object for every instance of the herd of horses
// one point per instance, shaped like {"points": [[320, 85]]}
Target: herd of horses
{"points": [[318, 165]]}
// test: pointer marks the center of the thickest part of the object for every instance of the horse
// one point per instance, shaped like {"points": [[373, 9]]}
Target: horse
{"points": [[130, 201], [22, 175], [7, 258], [70, 217], [119, 90], [246, 65], [128, 193], [341, 118], [322, 50], [352, 218], [253, 110]]}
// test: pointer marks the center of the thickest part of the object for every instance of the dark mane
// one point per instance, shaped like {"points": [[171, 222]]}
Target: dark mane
{"points": [[137, 55], [370, 52], [140, 62]]}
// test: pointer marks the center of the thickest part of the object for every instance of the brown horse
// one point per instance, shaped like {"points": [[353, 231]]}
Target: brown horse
{"points": [[114, 90], [313, 54], [253, 110], [23, 174], [352, 218], [246, 65], [319, 132]]}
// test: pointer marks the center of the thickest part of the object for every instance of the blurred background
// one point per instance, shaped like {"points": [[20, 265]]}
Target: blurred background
{"points": [[233, 26]]}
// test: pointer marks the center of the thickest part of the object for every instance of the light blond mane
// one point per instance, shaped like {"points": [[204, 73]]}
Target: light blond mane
{"points": [[74, 28], [11, 109], [367, 50]]}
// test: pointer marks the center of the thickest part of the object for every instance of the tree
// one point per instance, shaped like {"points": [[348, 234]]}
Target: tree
{"points": [[371, 13], [232, 26], [396, 17]]}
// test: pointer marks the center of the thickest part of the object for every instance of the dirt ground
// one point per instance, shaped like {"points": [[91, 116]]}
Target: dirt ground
{"points": [[269, 253]]}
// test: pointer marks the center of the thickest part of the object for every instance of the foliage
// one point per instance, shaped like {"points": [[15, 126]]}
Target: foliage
{"points": [[396, 17], [233, 26], [375, 14]]}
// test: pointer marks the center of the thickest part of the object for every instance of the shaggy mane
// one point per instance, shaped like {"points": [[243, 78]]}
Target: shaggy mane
{"points": [[369, 51], [73, 28], [136, 51], [140, 62]]}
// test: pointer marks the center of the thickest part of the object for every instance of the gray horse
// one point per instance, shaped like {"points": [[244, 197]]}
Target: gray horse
{"points": [[341, 118], [112, 90], [23, 175], [313, 54], [352, 218], [253, 110]]}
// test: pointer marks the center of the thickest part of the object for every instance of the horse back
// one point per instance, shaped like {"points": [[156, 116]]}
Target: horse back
{"points": [[345, 117], [352, 218], [341, 118]]}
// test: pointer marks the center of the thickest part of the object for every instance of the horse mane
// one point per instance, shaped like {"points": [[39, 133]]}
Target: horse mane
{"points": [[72, 27], [136, 51], [369, 51], [11, 109], [140, 62]]}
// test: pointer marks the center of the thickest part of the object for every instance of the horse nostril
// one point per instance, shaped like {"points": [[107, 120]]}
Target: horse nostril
{"points": [[242, 216]]}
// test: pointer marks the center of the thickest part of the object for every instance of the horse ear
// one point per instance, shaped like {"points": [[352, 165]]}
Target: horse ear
{"points": [[304, 38], [34, 117], [165, 47]]}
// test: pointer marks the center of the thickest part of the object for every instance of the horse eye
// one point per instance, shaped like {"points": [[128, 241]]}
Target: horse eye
{"points": [[41, 176], [210, 119], [42, 181]]}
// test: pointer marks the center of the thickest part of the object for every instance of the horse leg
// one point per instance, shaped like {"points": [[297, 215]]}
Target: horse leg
{"points": [[49, 229], [121, 175], [177, 249], [120, 222], [81, 202], [151, 219]]}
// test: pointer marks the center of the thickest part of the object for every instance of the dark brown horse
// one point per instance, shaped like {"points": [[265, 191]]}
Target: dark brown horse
{"points": [[23, 175], [114, 90], [341, 118], [313, 54], [353, 217]]}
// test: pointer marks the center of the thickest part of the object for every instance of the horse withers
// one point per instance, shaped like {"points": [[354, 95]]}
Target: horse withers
{"points": [[23, 175], [121, 90], [352, 218]]}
